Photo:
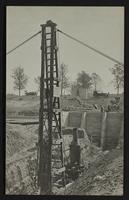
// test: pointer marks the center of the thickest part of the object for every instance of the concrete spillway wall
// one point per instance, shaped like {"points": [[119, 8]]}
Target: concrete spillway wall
{"points": [[113, 127], [74, 119], [102, 128], [93, 124]]}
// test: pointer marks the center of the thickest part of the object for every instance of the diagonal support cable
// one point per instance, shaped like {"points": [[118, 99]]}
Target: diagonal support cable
{"points": [[92, 48], [23, 43]]}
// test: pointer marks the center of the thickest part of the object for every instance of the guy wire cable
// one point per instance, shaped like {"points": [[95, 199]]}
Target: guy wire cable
{"points": [[90, 47], [23, 43]]}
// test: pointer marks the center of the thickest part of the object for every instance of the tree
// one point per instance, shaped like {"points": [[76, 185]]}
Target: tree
{"points": [[118, 73], [20, 79], [96, 79], [84, 80], [37, 81], [63, 75]]}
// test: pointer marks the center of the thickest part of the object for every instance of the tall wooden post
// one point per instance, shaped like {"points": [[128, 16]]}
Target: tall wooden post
{"points": [[49, 115]]}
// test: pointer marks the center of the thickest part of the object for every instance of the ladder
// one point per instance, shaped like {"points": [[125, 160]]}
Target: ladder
{"points": [[50, 155]]}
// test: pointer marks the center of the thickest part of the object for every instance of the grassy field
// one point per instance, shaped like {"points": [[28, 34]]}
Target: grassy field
{"points": [[29, 105]]}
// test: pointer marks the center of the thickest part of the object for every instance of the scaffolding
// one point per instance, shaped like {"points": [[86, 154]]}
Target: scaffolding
{"points": [[50, 154]]}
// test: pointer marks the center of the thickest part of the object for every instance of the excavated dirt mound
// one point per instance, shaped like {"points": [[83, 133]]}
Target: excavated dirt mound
{"points": [[20, 146], [18, 138], [72, 103], [103, 177], [109, 182]]}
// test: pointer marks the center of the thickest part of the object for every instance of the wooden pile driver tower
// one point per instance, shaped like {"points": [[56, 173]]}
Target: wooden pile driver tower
{"points": [[50, 151]]}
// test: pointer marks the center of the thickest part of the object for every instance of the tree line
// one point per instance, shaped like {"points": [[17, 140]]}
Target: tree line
{"points": [[83, 80]]}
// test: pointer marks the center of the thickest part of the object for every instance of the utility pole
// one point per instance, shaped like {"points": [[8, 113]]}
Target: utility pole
{"points": [[50, 134]]}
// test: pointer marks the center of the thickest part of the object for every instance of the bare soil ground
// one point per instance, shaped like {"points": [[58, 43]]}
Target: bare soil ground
{"points": [[20, 146], [19, 138], [104, 177], [29, 105]]}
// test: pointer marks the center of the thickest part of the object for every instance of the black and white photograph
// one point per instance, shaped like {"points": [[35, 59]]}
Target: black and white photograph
{"points": [[64, 100]]}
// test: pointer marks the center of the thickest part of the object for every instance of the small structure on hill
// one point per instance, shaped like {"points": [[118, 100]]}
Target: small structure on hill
{"points": [[100, 94], [83, 93], [32, 93]]}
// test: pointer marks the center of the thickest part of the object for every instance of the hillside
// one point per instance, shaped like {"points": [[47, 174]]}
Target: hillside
{"points": [[104, 177], [19, 138], [29, 105]]}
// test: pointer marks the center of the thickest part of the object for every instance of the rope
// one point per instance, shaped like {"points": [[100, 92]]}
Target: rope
{"points": [[23, 43], [92, 48]]}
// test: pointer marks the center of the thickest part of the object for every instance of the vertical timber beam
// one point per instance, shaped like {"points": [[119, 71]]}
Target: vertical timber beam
{"points": [[40, 139], [50, 112], [46, 108]]}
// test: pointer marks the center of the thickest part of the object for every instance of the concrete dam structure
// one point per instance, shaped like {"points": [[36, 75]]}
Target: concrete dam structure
{"points": [[103, 128]]}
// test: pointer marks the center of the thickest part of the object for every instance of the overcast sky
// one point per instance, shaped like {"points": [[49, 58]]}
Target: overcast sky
{"points": [[100, 27]]}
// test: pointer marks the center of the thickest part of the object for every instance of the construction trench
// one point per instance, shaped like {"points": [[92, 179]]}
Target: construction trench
{"points": [[64, 146], [92, 142]]}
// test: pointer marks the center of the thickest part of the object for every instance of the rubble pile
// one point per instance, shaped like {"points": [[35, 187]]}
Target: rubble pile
{"points": [[109, 182], [72, 103], [104, 176]]}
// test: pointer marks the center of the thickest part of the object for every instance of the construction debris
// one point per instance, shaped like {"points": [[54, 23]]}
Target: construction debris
{"points": [[103, 177]]}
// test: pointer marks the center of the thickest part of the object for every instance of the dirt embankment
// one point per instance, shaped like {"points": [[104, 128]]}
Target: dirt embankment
{"points": [[20, 148], [19, 138], [104, 177], [29, 105]]}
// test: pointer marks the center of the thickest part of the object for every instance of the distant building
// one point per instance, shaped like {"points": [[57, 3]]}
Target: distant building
{"points": [[81, 92]]}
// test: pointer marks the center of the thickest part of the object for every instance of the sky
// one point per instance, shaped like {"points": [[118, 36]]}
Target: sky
{"points": [[100, 27]]}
